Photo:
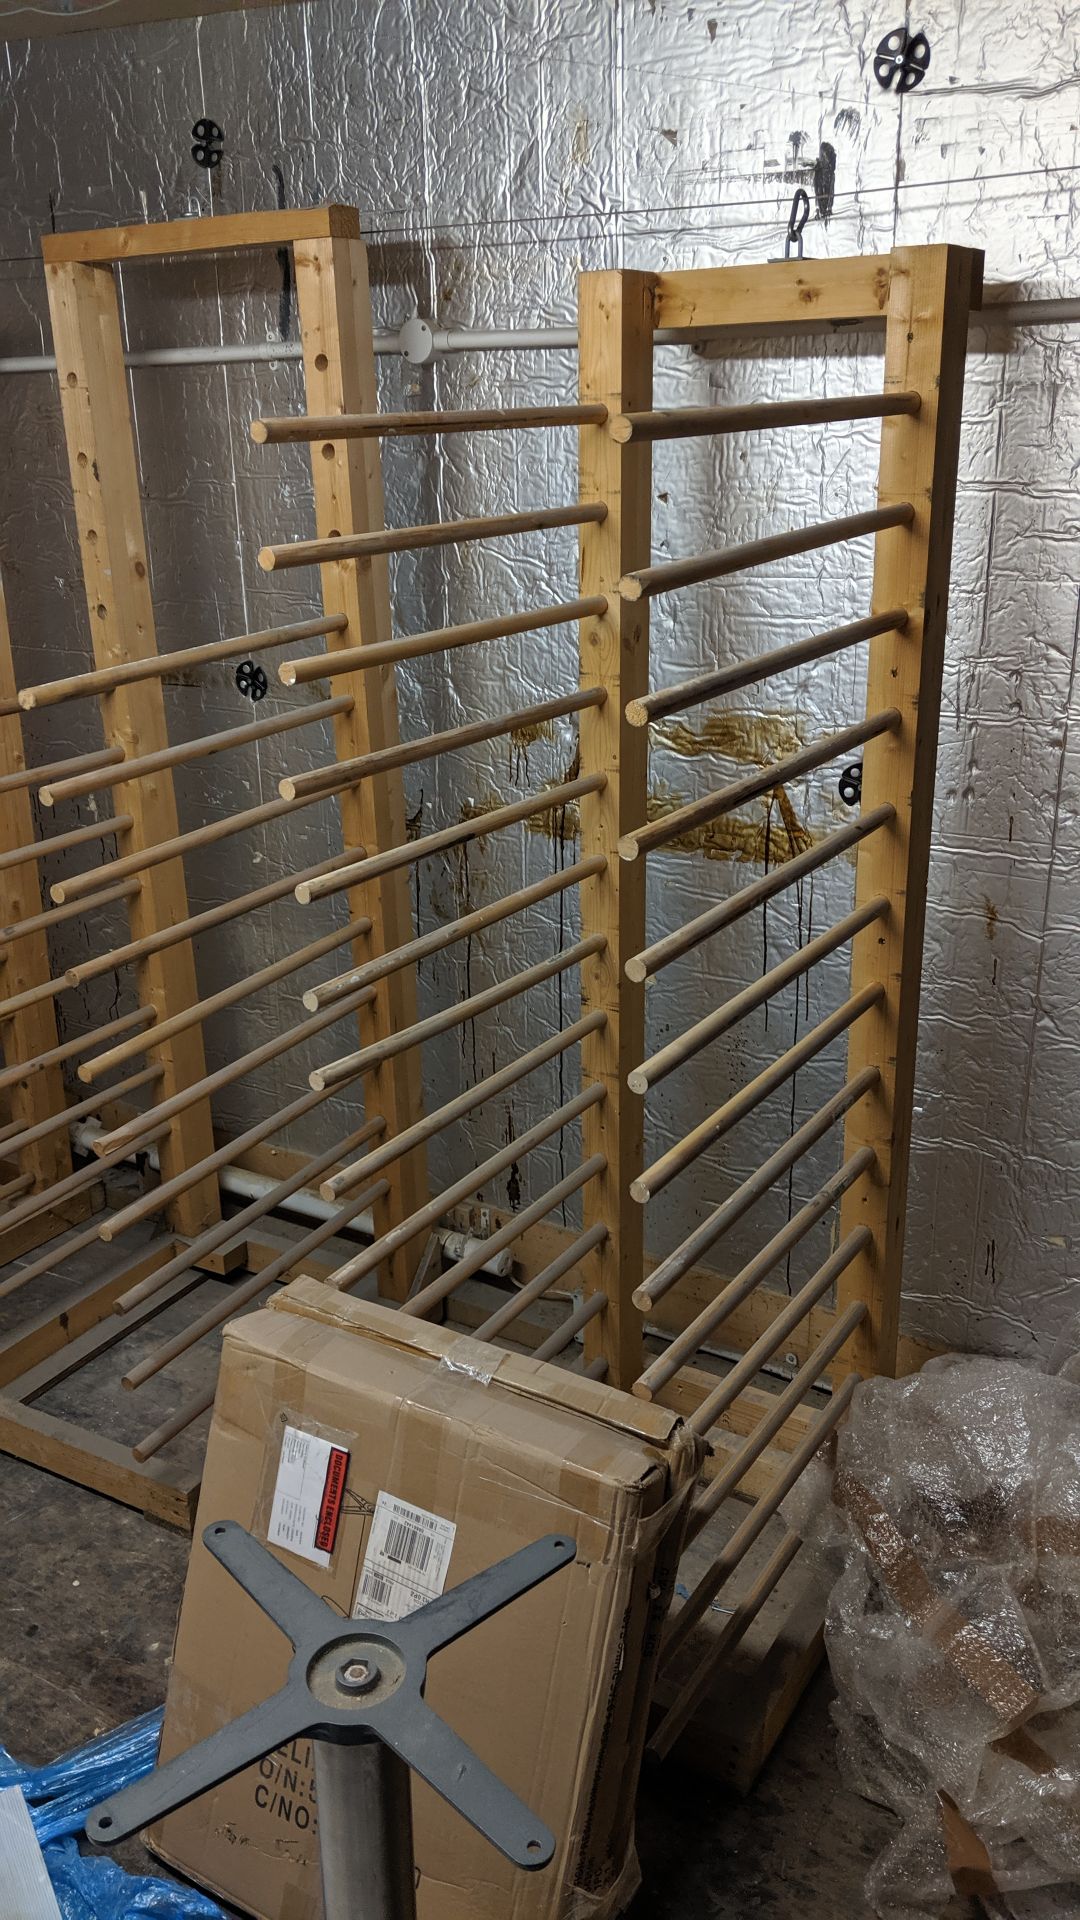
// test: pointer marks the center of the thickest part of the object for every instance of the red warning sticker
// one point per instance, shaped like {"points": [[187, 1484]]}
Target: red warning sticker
{"points": [[333, 1494]]}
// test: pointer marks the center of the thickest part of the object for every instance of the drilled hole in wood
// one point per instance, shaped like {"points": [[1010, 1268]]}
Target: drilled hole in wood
{"points": [[321, 363]]}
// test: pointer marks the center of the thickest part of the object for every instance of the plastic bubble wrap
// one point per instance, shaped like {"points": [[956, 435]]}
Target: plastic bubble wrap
{"points": [[949, 1534]]}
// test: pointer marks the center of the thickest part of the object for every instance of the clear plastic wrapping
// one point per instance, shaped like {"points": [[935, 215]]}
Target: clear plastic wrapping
{"points": [[949, 1533]]}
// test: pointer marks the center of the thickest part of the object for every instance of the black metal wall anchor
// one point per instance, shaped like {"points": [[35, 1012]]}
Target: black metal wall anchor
{"points": [[850, 784], [209, 143], [904, 57], [251, 680], [355, 1687], [797, 219]]}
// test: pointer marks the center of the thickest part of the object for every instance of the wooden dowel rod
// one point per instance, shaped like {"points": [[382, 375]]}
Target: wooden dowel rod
{"points": [[391, 1044], [585, 1311], [686, 1045], [60, 842], [22, 1069], [687, 423], [697, 1244], [223, 1156], [447, 1283], [52, 1262], [407, 753], [29, 997], [687, 1150], [237, 1224], [570, 1257], [191, 750], [414, 951], [756, 1521], [55, 1121], [596, 1369], [685, 1344], [238, 1297], [11, 1189], [157, 666], [198, 923], [645, 965], [59, 769], [54, 916], [244, 989], [437, 1122], [763, 666], [474, 829], [427, 1217], [87, 1176], [770, 1342], [74, 886], [734, 1629], [771, 1422], [384, 653], [445, 533], [185, 1416], [130, 1135], [289, 429], [645, 582], [698, 813]]}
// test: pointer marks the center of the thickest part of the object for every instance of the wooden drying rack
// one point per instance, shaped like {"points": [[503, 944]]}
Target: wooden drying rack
{"points": [[760, 1441]]}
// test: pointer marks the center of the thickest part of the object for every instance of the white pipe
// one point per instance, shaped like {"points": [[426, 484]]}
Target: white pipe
{"points": [[253, 1186], [421, 341]]}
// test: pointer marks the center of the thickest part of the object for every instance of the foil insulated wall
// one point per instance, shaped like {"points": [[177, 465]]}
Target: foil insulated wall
{"points": [[494, 151]]}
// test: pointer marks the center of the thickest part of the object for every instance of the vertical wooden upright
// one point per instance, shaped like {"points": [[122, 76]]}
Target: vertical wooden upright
{"points": [[334, 304], [931, 291], [32, 1030], [615, 322], [104, 473]]}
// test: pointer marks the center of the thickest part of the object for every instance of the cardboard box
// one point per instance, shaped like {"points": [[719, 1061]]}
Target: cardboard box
{"points": [[552, 1693]]}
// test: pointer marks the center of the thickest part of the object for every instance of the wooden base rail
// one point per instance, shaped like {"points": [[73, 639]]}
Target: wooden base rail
{"points": [[809, 1376], [691, 1251], [763, 666], [445, 1116], [447, 1283], [444, 533], [385, 653], [656, 1177], [234, 1228], [230, 996], [427, 1217], [698, 813], [367, 1059], [755, 1523], [408, 752], [686, 1344], [284, 430], [69, 1049], [191, 750], [691, 423], [160, 666], [646, 582], [61, 842], [687, 1045], [437, 941], [643, 967], [541, 1283], [551, 800], [60, 769]]}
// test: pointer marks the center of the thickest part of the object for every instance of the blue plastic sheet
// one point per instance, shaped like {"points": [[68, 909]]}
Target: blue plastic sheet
{"points": [[60, 1795]]}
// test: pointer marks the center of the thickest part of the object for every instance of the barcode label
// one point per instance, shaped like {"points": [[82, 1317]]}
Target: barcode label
{"points": [[308, 1493], [407, 1560]]}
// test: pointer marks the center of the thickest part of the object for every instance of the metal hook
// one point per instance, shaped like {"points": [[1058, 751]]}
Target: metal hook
{"points": [[797, 219]]}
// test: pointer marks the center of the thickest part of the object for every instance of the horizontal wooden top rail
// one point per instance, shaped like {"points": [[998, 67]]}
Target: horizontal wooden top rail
{"points": [[406, 753], [376, 426], [60, 769], [763, 666], [61, 842], [158, 666], [809, 291], [223, 233], [382, 653], [688, 423], [646, 582], [712, 1026], [697, 813], [443, 533], [644, 966], [201, 749], [685, 1151]]}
